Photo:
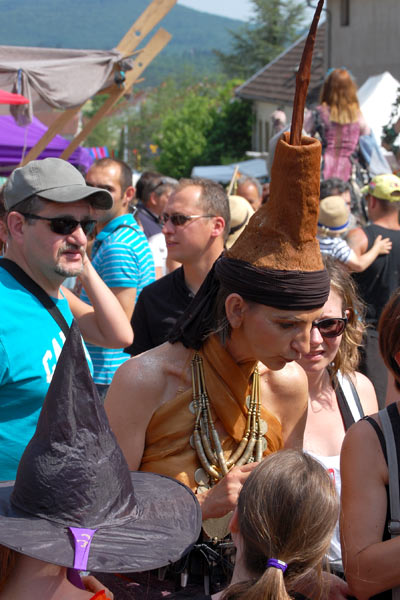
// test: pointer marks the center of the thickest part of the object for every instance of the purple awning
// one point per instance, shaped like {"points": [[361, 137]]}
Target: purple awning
{"points": [[16, 141]]}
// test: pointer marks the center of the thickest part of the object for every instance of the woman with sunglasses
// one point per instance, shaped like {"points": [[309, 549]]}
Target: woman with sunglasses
{"points": [[338, 395]]}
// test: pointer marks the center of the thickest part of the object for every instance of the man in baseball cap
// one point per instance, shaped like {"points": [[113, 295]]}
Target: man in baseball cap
{"points": [[48, 214], [384, 187], [377, 283]]}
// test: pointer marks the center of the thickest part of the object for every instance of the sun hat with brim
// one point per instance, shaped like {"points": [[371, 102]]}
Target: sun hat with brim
{"points": [[74, 502], [333, 214], [240, 211], [385, 187], [52, 179]]}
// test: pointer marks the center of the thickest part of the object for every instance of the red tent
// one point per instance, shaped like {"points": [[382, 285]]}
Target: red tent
{"points": [[9, 98]]}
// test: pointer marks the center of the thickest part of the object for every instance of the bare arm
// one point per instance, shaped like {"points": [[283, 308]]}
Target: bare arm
{"points": [[105, 322], [129, 406], [361, 262], [126, 297], [371, 565], [357, 240]]}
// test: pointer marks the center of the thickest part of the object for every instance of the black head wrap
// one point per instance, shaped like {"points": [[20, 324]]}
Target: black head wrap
{"points": [[286, 290]]}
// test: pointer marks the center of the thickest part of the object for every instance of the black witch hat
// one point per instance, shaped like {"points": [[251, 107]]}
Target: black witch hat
{"points": [[74, 502]]}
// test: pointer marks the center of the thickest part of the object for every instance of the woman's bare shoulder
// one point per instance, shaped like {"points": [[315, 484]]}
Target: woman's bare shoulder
{"points": [[366, 392], [152, 368]]}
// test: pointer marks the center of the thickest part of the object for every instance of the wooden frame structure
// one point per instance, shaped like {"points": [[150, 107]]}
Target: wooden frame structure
{"points": [[127, 46]]}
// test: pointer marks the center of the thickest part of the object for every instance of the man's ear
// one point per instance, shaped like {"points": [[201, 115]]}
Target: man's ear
{"points": [[129, 195], [16, 224], [235, 307], [218, 226]]}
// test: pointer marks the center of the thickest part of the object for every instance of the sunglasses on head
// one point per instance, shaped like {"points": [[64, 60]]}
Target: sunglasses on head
{"points": [[330, 328], [178, 220], [65, 225]]}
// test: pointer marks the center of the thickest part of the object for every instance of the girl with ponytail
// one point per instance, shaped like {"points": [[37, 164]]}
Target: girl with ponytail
{"points": [[281, 527]]}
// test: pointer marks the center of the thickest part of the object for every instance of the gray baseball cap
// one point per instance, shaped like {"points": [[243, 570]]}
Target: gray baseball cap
{"points": [[52, 179]]}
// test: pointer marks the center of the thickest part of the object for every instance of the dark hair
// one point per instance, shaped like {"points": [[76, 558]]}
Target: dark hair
{"points": [[389, 335], [287, 510], [347, 356], [28, 205], [332, 187], [125, 176], [214, 199], [144, 179], [157, 186], [7, 564]]}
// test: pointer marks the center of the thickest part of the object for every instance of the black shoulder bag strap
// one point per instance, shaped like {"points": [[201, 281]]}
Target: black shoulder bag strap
{"points": [[394, 523], [37, 291]]}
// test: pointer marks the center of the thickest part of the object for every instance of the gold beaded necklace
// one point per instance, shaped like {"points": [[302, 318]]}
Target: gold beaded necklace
{"points": [[205, 436]]}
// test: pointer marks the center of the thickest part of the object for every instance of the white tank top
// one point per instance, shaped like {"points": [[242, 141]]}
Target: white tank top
{"points": [[332, 464]]}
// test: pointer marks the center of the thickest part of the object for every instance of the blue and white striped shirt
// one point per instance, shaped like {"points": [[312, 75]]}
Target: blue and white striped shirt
{"points": [[335, 247], [122, 257]]}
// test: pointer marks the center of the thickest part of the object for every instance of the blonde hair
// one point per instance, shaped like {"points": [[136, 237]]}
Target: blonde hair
{"points": [[339, 92], [287, 510], [347, 356]]}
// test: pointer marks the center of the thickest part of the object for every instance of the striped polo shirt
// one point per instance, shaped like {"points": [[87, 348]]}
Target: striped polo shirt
{"points": [[122, 257]]}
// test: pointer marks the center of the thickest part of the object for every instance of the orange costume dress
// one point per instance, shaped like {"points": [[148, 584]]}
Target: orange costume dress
{"points": [[168, 449]]}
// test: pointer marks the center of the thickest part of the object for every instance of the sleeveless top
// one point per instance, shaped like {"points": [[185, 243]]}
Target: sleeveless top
{"points": [[394, 416], [332, 463], [168, 450], [339, 142], [378, 282]]}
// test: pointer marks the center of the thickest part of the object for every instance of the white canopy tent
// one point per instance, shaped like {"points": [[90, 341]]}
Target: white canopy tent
{"points": [[376, 97]]}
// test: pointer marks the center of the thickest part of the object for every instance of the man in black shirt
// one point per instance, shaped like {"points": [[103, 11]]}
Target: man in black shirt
{"points": [[377, 283], [196, 226]]}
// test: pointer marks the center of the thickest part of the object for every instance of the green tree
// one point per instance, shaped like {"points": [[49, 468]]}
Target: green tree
{"points": [[274, 27], [210, 127]]}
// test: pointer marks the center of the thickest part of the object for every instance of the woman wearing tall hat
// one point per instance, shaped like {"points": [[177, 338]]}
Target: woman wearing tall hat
{"points": [[203, 408]]}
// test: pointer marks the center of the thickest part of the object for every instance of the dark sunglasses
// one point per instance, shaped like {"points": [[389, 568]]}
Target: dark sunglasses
{"points": [[65, 225], [330, 328], [179, 220]]}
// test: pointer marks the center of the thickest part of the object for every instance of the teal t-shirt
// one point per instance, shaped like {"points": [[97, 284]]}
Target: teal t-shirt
{"points": [[30, 344]]}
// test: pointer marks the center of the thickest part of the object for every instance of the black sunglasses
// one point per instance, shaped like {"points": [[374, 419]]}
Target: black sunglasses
{"points": [[330, 328], [65, 225], [178, 220]]}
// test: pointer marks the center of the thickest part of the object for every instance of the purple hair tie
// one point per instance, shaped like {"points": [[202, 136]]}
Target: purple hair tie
{"points": [[278, 564]]}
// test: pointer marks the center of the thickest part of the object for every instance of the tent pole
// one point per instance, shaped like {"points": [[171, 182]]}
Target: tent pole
{"points": [[139, 30], [150, 51]]}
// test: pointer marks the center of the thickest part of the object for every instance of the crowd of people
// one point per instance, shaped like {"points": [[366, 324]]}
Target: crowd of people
{"points": [[190, 380]]}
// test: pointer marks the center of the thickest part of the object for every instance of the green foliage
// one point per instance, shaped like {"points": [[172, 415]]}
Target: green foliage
{"points": [[275, 26], [210, 127]]}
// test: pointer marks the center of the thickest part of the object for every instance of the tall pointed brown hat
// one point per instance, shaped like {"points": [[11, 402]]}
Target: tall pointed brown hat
{"points": [[282, 233], [276, 261]]}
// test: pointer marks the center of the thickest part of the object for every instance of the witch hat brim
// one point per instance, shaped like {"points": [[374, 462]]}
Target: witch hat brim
{"points": [[168, 523], [74, 502]]}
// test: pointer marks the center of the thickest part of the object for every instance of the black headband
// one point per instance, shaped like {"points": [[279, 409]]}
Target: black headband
{"points": [[287, 290]]}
